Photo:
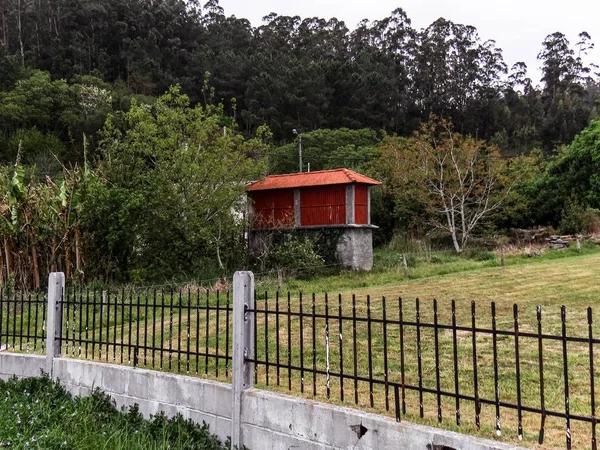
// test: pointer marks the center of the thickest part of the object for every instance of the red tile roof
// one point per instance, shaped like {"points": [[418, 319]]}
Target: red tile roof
{"points": [[320, 178]]}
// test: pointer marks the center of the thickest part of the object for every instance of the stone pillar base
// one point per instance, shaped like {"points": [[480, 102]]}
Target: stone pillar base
{"points": [[355, 248]]}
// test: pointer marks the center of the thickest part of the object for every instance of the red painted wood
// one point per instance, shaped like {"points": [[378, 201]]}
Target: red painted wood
{"points": [[273, 209], [323, 205], [361, 204]]}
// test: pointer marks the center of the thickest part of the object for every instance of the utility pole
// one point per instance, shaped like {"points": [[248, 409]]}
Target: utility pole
{"points": [[299, 148]]}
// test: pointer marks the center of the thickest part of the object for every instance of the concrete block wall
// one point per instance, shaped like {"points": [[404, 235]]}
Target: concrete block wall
{"points": [[269, 420]]}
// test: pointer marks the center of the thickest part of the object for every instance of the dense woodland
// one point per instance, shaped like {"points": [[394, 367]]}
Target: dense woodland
{"points": [[128, 129]]}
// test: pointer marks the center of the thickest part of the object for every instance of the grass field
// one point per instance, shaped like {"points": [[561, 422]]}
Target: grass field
{"points": [[558, 278]]}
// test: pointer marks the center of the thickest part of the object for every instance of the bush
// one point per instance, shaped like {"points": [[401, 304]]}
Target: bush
{"points": [[572, 218], [297, 255]]}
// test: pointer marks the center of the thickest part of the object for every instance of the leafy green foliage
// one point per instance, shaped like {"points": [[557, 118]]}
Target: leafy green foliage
{"points": [[297, 255], [38, 413], [173, 181]]}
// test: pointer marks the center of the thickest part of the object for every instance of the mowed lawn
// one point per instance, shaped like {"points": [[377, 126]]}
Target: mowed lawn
{"points": [[571, 280]]}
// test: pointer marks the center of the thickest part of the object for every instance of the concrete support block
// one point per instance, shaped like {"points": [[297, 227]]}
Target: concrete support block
{"points": [[56, 289], [243, 350], [355, 248]]}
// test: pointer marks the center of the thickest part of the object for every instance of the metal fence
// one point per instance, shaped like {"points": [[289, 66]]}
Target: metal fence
{"points": [[22, 322], [386, 355], [493, 368], [178, 330]]}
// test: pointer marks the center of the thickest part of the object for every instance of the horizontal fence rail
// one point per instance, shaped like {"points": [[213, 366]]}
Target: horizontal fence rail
{"points": [[487, 368], [23, 322], [177, 330]]}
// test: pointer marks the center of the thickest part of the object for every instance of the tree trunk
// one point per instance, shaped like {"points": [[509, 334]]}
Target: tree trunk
{"points": [[77, 254], [67, 261], [20, 28], [36, 268], [8, 256]]}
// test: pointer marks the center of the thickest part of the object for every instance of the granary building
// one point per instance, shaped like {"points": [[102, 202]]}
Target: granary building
{"points": [[314, 201]]}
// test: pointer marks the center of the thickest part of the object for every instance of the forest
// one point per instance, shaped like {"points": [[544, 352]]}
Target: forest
{"points": [[128, 130]]}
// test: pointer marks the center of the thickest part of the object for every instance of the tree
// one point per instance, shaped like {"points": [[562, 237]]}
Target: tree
{"points": [[457, 179], [172, 180]]}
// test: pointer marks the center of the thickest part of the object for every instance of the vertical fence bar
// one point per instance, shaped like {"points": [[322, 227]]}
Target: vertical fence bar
{"points": [[207, 334], [35, 334], [402, 372], [289, 339], [437, 360], [217, 360], [100, 326], [170, 329], [115, 327], [122, 346], [21, 317], [137, 329], [455, 355], [162, 326], [541, 367], [243, 353], [255, 315], [64, 333], [397, 403], [179, 326], [1, 318], [563, 318], [419, 362], [327, 366], [592, 377], [370, 351], [277, 338], [28, 321], [87, 320], [385, 355], [79, 349], [314, 345], [198, 329], [266, 338], [354, 343], [108, 327], [475, 377], [496, 383], [146, 328], [94, 324], [154, 328], [340, 329], [227, 305], [518, 372]]}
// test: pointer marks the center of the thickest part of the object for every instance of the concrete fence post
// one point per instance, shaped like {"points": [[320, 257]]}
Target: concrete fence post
{"points": [[243, 349], [56, 288]]}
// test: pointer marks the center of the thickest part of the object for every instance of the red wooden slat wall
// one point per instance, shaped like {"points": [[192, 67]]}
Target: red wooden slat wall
{"points": [[273, 208], [361, 204], [323, 205]]}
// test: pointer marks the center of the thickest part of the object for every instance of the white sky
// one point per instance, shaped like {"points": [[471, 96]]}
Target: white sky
{"points": [[517, 26]]}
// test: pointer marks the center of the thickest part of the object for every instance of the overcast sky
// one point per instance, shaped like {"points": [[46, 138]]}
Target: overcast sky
{"points": [[518, 26]]}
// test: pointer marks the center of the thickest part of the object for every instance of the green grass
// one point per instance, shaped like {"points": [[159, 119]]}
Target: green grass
{"points": [[37, 413], [556, 278]]}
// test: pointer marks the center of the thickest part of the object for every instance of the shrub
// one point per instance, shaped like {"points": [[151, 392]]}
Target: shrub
{"points": [[298, 255]]}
